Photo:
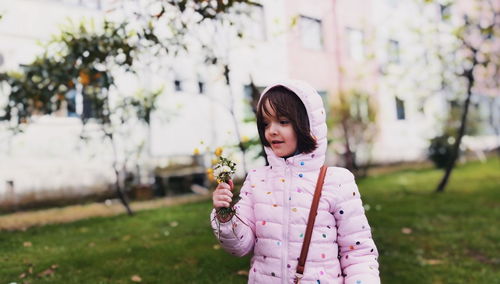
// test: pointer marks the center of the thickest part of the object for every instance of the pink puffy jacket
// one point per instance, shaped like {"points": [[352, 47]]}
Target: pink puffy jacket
{"points": [[275, 205]]}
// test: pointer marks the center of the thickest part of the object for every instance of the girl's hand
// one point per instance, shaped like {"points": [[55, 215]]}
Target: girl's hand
{"points": [[222, 195]]}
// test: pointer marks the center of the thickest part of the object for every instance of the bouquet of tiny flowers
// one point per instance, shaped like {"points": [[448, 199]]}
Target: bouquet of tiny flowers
{"points": [[223, 170]]}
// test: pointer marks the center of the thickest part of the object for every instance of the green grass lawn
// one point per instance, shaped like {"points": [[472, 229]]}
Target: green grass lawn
{"points": [[450, 238]]}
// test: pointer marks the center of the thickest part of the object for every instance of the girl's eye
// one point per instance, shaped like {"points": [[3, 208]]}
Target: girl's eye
{"points": [[284, 121]]}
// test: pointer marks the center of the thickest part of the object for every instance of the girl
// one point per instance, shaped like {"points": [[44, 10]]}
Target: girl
{"points": [[275, 200]]}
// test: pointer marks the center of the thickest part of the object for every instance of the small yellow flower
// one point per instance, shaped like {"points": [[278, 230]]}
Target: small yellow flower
{"points": [[244, 139], [210, 174], [211, 177], [214, 161], [196, 151], [218, 151]]}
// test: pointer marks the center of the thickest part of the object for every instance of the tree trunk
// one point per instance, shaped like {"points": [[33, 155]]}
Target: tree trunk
{"points": [[349, 159], [494, 124], [121, 194], [118, 183], [456, 147]]}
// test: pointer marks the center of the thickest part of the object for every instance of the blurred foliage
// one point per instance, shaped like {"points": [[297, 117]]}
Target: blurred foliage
{"points": [[205, 9], [143, 103], [474, 59], [353, 124], [467, 34], [83, 58], [441, 150], [452, 123]]}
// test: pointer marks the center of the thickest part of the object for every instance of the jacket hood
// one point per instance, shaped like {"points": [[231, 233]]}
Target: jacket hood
{"points": [[316, 113]]}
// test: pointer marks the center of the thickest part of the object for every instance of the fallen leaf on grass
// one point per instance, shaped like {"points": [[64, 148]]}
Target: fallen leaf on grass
{"points": [[242, 272], [174, 224], [92, 244], [136, 278], [46, 272], [27, 244], [406, 231], [216, 247], [23, 275], [432, 261]]}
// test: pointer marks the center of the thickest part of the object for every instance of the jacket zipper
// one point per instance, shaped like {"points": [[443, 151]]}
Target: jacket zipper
{"points": [[286, 217]]}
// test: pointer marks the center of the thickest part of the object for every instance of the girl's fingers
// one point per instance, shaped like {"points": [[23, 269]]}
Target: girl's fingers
{"points": [[220, 204], [224, 198], [226, 192], [223, 185], [222, 195]]}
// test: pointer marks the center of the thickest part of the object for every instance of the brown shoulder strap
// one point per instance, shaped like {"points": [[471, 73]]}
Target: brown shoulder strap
{"points": [[310, 223]]}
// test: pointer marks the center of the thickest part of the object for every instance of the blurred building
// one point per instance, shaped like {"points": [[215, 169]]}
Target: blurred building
{"points": [[336, 45]]}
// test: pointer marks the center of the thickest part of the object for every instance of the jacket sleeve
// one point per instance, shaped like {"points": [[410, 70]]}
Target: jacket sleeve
{"points": [[357, 251], [237, 236]]}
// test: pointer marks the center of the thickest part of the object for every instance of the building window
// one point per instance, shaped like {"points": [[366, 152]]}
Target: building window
{"points": [[71, 105], [354, 42], [400, 109], [311, 33], [201, 87], [88, 110], [178, 85], [393, 52]]}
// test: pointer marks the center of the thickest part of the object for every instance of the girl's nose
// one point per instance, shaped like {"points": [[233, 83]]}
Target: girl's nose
{"points": [[273, 129]]}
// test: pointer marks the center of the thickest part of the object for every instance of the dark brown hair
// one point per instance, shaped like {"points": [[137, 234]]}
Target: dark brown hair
{"points": [[286, 103]]}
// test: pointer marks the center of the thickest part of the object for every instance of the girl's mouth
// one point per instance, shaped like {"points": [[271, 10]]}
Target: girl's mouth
{"points": [[276, 142]]}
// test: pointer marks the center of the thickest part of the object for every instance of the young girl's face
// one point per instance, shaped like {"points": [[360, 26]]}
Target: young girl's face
{"points": [[279, 133]]}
